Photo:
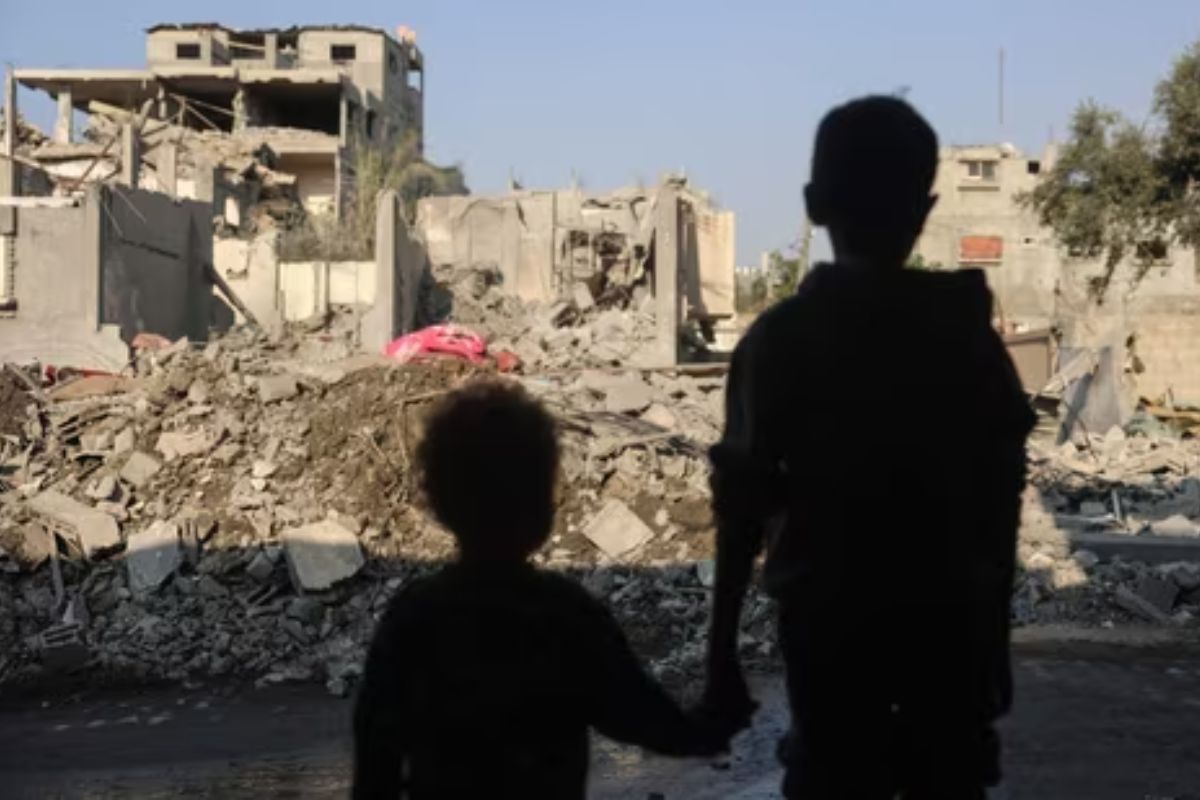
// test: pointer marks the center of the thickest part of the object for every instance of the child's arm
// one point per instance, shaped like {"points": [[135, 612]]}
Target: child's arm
{"points": [[629, 705], [379, 735]]}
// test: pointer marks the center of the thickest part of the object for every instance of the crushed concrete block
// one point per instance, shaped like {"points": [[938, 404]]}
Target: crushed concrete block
{"points": [[1085, 558], [184, 444], [630, 396], [263, 469], [321, 554], [198, 393], [1135, 604], [152, 556], [274, 388], [261, 568], [660, 415], [1158, 592], [96, 441], [1183, 574], [103, 488], [582, 296], [62, 648], [616, 530], [140, 469], [1175, 525], [95, 531], [30, 546], [124, 441], [1092, 508]]}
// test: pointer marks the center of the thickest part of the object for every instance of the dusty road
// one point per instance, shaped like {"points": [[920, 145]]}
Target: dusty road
{"points": [[1093, 722]]}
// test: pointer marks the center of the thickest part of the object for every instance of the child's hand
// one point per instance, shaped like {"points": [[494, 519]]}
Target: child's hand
{"points": [[727, 706]]}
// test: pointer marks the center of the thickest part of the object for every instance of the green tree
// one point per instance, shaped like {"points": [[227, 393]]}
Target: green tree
{"points": [[783, 274], [1122, 190]]}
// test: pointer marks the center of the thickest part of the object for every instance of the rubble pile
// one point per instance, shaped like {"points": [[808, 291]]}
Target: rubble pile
{"points": [[246, 509], [616, 329], [1097, 515]]}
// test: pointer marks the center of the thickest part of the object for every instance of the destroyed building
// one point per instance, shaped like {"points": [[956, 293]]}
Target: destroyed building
{"points": [[337, 84], [1147, 327]]}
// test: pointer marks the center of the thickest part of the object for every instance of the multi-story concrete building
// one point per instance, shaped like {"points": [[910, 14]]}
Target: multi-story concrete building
{"points": [[341, 85], [978, 222]]}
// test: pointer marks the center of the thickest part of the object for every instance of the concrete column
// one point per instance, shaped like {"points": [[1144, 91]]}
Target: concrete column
{"points": [[167, 160], [666, 276], [10, 114], [10, 184], [271, 50], [380, 323], [64, 125], [131, 156]]}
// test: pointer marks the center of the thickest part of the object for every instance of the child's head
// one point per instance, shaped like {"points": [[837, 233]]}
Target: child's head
{"points": [[488, 465]]}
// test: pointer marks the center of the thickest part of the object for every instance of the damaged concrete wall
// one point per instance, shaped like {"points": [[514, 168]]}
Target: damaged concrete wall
{"points": [[312, 288], [153, 252], [251, 268], [400, 263], [57, 289], [708, 268]]}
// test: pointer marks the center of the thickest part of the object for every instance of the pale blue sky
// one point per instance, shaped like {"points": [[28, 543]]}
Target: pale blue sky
{"points": [[621, 90]]}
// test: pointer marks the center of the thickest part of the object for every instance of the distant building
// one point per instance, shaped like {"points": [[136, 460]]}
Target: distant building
{"points": [[338, 84], [978, 222]]}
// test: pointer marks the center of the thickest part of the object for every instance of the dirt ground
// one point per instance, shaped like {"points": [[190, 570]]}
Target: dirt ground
{"points": [[1092, 721]]}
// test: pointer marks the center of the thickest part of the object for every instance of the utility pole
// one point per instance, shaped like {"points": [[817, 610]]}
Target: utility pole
{"points": [[1001, 87]]}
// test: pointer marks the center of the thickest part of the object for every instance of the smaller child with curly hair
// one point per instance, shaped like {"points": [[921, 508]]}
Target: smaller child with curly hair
{"points": [[484, 678]]}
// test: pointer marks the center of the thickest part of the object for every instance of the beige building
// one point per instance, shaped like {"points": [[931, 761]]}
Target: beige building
{"points": [[339, 85], [977, 222]]}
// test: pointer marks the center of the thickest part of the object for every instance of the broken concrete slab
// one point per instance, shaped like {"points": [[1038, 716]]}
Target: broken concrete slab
{"points": [[1159, 592], [29, 545], [184, 444], [660, 415], [261, 568], [582, 296], [124, 441], [1137, 605], [139, 469], [630, 396], [321, 554], [152, 556], [616, 530], [1175, 525], [95, 531], [276, 388], [103, 488]]}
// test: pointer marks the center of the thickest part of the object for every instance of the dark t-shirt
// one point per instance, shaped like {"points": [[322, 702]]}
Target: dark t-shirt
{"points": [[484, 682]]}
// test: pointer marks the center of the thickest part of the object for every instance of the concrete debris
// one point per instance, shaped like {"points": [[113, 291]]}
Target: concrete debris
{"points": [[152, 556], [321, 554], [660, 415], [275, 388], [140, 469], [616, 530], [1175, 525], [184, 444], [94, 531]]}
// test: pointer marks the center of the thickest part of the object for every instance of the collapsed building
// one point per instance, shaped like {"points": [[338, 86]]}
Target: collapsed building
{"points": [[1142, 339]]}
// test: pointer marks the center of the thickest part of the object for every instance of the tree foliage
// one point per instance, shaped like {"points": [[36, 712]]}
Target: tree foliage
{"points": [[783, 274], [1118, 187]]}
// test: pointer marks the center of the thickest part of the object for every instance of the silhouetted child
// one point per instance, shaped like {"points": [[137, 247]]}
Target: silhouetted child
{"points": [[874, 446], [484, 678]]}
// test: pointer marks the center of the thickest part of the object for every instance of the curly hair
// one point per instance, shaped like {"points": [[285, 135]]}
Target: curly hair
{"points": [[488, 465]]}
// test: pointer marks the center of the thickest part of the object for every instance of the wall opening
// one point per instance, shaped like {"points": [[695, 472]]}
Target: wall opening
{"points": [[292, 106], [341, 53], [248, 45], [187, 51], [1034, 167], [370, 124], [416, 79]]}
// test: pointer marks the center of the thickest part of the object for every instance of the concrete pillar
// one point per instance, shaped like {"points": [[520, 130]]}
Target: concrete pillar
{"points": [[131, 156], [271, 50], [64, 125], [10, 185], [167, 160], [666, 277], [10, 114], [381, 322]]}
